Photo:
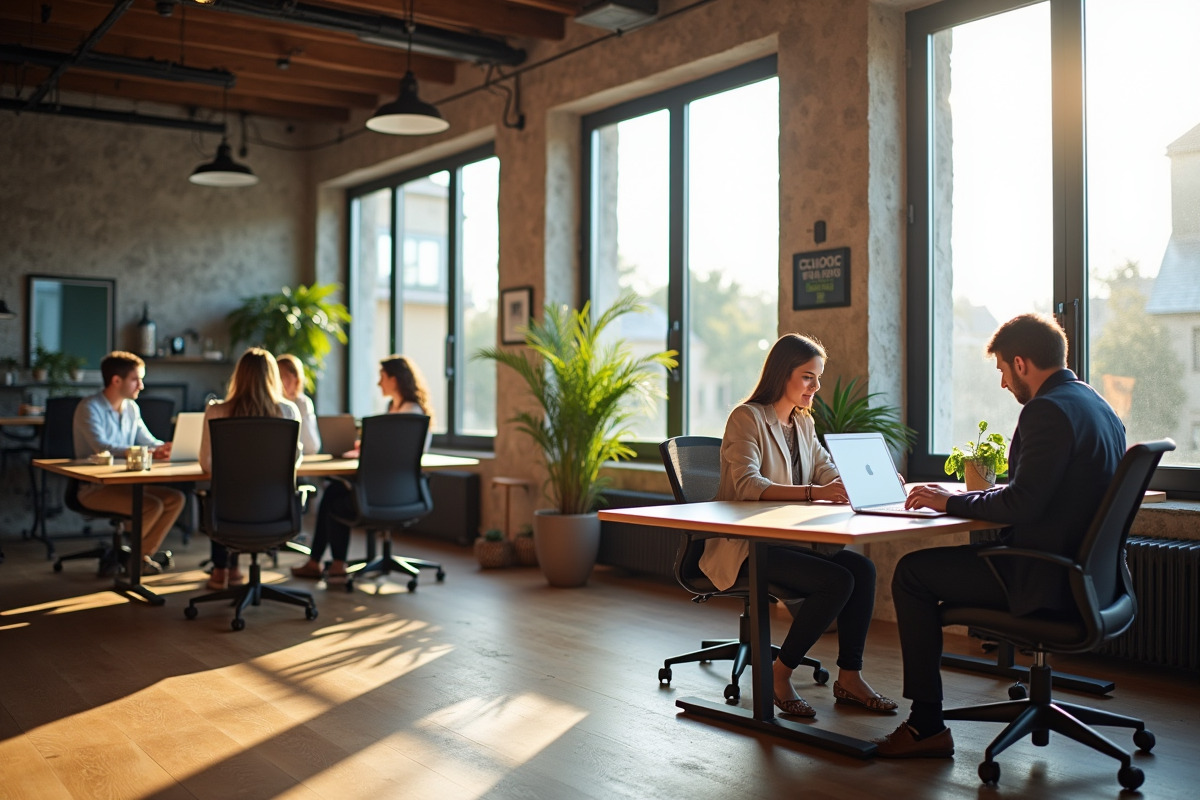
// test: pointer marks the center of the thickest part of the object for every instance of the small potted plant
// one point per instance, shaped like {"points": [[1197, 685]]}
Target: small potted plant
{"points": [[8, 365], [73, 366], [981, 461], [523, 549], [43, 361], [492, 550]]}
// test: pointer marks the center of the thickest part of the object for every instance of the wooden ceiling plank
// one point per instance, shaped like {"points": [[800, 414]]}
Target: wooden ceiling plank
{"points": [[486, 17]]}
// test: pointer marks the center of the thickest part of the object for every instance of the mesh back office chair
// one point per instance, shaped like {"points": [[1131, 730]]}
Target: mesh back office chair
{"points": [[253, 505], [1104, 609], [694, 469], [58, 442], [390, 492]]}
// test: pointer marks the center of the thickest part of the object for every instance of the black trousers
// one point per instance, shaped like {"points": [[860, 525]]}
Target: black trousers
{"points": [[336, 501], [922, 581], [839, 586]]}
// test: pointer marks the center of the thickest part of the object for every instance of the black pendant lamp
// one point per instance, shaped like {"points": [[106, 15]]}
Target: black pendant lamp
{"points": [[223, 170], [408, 114]]}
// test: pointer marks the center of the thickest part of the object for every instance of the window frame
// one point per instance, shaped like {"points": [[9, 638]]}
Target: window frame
{"points": [[1069, 180], [674, 100], [455, 358]]}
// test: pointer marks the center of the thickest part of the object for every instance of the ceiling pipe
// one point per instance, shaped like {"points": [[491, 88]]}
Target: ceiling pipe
{"points": [[376, 29], [118, 11], [101, 62], [123, 117]]}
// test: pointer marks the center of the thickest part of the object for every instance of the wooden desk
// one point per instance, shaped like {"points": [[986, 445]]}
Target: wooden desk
{"points": [[16, 422], [767, 523], [115, 474]]}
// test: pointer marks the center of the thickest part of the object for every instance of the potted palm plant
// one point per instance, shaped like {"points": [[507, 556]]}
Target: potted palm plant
{"points": [[299, 321], [850, 411], [981, 461], [587, 392]]}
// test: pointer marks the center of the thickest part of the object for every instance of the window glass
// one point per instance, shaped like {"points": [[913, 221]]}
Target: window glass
{"points": [[370, 332], [1143, 209], [991, 215], [480, 251]]}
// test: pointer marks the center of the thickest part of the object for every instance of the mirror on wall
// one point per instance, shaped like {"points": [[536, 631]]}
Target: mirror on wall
{"points": [[72, 315]]}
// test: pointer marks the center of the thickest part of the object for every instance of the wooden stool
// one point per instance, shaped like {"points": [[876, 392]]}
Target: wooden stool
{"points": [[508, 484]]}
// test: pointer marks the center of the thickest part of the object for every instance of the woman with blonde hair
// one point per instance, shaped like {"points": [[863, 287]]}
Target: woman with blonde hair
{"points": [[770, 451], [291, 376], [254, 391], [404, 387]]}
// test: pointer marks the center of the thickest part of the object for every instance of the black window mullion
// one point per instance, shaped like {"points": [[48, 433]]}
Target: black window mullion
{"points": [[677, 268]]}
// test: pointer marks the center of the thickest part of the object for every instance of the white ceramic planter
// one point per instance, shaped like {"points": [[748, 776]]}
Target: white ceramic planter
{"points": [[566, 546]]}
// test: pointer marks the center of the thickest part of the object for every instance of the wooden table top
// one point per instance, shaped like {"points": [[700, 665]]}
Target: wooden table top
{"points": [[27, 419]]}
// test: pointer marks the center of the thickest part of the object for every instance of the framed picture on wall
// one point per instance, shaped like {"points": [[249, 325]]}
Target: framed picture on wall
{"points": [[516, 307]]}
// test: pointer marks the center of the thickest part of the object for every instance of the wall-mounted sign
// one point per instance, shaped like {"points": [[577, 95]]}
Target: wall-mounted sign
{"points": [[821, 279]]}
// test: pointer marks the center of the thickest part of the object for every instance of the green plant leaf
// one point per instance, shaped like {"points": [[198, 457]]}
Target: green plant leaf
{"points": [[850, 411]]}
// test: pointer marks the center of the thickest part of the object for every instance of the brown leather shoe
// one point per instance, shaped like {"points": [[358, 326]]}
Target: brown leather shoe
{"points": [[903, 743]]}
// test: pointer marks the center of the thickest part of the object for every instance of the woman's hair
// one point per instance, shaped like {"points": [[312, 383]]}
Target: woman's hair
{"points": [[789, 351], [409, 381], [293, 365], [255, 389]]}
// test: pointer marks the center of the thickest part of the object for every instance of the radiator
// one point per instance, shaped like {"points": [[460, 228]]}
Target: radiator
{"points": [[1166, 581], [455, 516], [637, 548]]}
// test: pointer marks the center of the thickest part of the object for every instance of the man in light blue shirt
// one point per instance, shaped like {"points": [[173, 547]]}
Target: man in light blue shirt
{"points": [[111, 420]]}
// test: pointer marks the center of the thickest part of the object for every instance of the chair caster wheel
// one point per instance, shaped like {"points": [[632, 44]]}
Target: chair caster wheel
{"points": [[310, 612], [58, 566], [191, 612], [238, 624], [1144, 740], [664, 676], [441, 575], [821, 675], [989, 772], [1017, 691], [1130, 777], [412, 585], [732, 693]]}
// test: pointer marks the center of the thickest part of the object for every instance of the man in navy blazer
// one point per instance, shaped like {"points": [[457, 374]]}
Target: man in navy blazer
{"points": [[1064, 454]]}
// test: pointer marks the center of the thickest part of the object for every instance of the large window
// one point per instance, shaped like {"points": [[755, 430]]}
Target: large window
{"points": [[1069, 182], [423, 282], [682, 209]]}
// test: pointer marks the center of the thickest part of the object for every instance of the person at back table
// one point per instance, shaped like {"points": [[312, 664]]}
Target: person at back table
{"points": [[1063, 456], [291, 377], [404, 387], [770, 452], [110, 420], [254, 391]]}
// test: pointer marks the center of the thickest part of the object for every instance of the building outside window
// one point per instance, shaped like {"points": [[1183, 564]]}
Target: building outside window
{"points": [[1060, 184], [682, 208], [423, 282]]}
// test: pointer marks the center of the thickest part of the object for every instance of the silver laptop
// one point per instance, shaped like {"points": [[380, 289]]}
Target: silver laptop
{"points": [[185, 442], [869, 475], [338, 433]]}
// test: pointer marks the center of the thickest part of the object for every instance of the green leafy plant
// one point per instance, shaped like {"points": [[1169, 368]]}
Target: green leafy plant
{"points": [[493, 535], [582, 387], [57, 367], [850, 411], [990, 451], [299, 321], [525, 530]]}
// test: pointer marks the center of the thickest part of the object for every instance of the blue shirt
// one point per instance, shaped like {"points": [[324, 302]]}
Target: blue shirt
{"points": [[97, 427]]}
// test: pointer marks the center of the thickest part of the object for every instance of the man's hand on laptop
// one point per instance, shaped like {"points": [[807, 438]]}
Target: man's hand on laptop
{"points": [[162, 452], [928, 496]]}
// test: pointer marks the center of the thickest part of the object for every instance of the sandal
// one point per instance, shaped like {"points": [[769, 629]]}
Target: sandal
{"points": [[336, 574], [308, 569], [236, 578], [797, 707], [218, 580], [878, 703]]}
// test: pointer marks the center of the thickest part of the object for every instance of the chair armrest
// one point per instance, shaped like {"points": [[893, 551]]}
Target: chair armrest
{"points": [[1036, 555]]}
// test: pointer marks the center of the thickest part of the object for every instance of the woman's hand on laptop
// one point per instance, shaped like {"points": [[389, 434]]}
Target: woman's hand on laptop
{"points": [[832, 492], [928, 496]]}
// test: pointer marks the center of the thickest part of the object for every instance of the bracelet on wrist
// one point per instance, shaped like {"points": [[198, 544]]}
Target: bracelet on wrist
{"points": [[808, 492]]}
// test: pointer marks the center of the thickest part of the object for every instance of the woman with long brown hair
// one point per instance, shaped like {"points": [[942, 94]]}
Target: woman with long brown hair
{"points": [[404, 387], [254, 391], [770, 451]]}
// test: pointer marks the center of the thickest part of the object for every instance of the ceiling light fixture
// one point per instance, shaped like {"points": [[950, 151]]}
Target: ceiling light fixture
{"points": [[408, 114], [223, 170], [5, 311]]}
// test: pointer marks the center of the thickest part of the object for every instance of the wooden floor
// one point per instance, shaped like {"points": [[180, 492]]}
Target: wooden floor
{"points": [[490, 685]]}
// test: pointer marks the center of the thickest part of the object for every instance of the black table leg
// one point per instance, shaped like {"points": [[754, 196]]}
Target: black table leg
{"points": [[133, 587]]}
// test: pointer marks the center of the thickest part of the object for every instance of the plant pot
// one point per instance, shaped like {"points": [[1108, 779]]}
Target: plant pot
{"points": [[525, 551], [977, 476], [492, 554], [566, 546], [77, 375], [39, 375]]}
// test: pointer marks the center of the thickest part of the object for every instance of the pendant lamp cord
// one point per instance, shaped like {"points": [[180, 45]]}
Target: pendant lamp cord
{"points": [[411, 26]]}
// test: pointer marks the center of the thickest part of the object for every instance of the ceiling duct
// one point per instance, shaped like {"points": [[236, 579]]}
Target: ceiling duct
{"points": [[121, 117], [617, 15], [377, 29], [100, 62]]}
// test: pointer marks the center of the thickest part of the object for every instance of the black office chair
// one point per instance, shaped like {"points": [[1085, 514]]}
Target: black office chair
{"points": [[390, 492], [1104, 609], [694, 469], [253, 505], [159, 415]]}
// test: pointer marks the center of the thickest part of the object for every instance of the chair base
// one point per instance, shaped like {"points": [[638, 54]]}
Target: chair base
{"points": [[737, 651], [1039, 714], [1005, 666], [253, 592], [388, 563]]}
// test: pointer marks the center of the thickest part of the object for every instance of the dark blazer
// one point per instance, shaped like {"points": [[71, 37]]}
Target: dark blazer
{"points": [[1064, 453]]}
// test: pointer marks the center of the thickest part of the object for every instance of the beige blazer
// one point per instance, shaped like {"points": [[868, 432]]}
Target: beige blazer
{"points": [[754, 455]]}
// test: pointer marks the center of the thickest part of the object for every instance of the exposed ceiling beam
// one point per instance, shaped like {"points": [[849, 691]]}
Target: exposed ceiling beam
{"points": [[118, 9], [122, 117], [505, 19]]}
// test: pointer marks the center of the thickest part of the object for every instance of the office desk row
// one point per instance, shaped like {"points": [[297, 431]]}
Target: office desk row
{"points": [[115, 474]]}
